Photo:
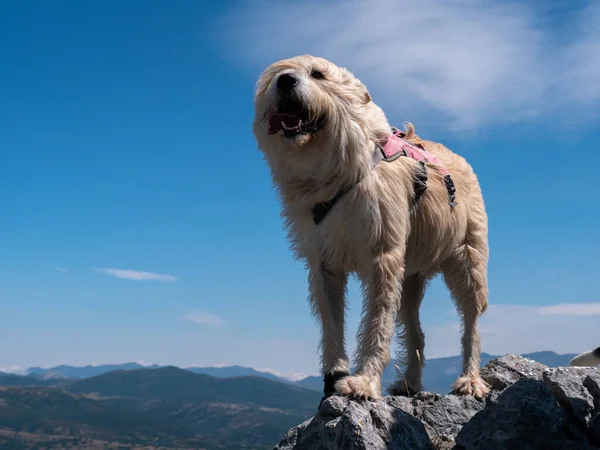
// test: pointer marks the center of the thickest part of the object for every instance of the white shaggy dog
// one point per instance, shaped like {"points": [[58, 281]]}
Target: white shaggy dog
{"points": [[352, 207], [590, 358]]}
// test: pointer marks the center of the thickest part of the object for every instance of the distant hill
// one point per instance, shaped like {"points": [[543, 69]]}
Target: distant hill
{"points": [[65, 371], [179, 408], [174, 384], [60, 417], [234, 371], [551, 359], [9, 379], [311, 382], [54, 412]]}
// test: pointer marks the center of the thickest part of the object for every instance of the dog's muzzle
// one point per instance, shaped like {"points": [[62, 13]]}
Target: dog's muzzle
{"points": [[292, 117]]}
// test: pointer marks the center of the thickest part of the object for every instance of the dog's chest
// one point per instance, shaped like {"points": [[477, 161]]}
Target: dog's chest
{"points": [[344, 237]]}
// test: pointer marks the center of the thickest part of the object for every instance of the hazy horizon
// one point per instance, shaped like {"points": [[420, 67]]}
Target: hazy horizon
{"points": [[293, 376]]}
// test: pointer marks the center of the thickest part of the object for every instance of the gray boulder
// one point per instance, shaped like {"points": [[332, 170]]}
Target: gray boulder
{"points": [[530, 406], [345, 424], [500, 373], [525, 416]]}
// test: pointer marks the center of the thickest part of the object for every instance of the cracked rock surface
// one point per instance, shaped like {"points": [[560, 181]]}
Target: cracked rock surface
{"points": [[530, 406]]}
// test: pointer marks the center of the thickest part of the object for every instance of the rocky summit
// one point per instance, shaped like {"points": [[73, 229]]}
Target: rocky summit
{"points": [[530, 407]]}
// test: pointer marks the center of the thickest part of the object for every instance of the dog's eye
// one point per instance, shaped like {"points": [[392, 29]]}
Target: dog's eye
{"points": [[317, 75]]}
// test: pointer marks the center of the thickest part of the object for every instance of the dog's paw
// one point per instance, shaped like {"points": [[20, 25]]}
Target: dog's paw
{"points": [[405, 388], [359, 387], [468, 385], [330, 379]]}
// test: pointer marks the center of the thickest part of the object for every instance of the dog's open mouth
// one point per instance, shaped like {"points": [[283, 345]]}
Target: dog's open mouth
{"points": [[293, 119]]}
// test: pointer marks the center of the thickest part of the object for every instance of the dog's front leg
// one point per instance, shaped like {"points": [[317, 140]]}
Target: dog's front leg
{"points": [[328, 301], [382, 293]]}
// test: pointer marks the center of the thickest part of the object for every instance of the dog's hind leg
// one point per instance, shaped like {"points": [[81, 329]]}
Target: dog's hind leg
{"points": [[327, 298], [410, 336], [382, 292], [465, 274]]}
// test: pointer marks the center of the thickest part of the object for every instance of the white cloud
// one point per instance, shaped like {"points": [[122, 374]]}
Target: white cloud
{"points": [[203, 318], [572, 309], [464, 64], [288, 375], [583, 56], [216, 366], [136, 275], [60, 269], [18, 370], [142, 363], [562, 328]]}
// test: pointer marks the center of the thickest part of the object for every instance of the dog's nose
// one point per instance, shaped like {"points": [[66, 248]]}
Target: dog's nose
{"points": [[286, 82]]}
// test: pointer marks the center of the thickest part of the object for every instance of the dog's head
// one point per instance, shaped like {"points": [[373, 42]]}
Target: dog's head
{"points": [[312, 116]]}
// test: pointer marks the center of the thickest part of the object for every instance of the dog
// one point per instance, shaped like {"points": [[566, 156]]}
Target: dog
{"points": [[590, 358], [349, 208]]}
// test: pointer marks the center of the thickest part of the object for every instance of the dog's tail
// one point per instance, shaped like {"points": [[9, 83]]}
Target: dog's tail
{"points": [[587, 359], [410, 135]]}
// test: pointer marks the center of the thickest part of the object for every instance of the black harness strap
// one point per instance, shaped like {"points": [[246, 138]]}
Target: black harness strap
{"points": [[320, 210], [451, 189], [329, 381], [420, 184]]}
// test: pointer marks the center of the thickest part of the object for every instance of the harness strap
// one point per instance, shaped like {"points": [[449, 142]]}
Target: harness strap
{"points": [[320, 210], [394, 148]]}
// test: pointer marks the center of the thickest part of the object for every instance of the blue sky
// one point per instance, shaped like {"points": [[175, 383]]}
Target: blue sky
{"points": [[138, 217]]}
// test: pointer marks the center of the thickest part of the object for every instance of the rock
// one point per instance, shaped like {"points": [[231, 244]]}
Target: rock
{"points": [[345, 424], [530, 406], [594, 429], [501, 372], [525, 416], [567, 385], [445, 418], [592, 383], [577, 389]]}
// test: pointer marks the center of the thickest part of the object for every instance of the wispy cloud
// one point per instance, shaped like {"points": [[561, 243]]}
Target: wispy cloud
{"points": [[571, 309], [463, 64], [142, 363], [288, 375], [136, 275], [203, 318], [563, 328], [60, 269]]}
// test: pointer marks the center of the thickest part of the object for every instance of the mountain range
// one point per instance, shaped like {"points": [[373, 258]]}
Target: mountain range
{"points": [[135, 406], [438, 374], [66, 371]]}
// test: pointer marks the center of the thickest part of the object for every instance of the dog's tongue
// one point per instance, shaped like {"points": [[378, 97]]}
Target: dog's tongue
{"points": [[290, 120]]}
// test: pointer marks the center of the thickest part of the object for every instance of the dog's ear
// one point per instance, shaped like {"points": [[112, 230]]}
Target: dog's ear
{"points": [[366, 95]]}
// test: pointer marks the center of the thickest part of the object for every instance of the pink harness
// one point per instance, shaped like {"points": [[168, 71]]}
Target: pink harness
{"points": [[393, 148], [396, 146]]}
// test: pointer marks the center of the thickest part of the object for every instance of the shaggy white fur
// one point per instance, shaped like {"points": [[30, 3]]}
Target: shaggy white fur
{"points": [[317, 127], [590, 358]]}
